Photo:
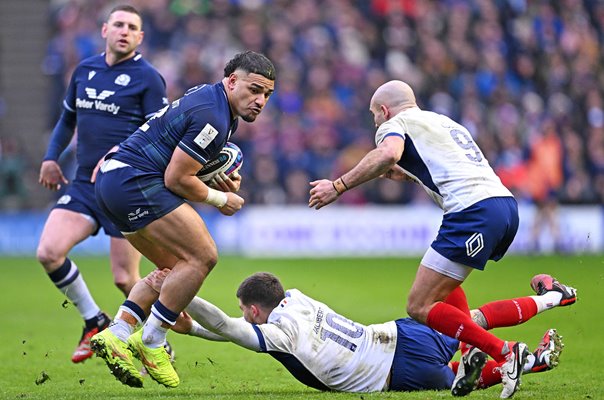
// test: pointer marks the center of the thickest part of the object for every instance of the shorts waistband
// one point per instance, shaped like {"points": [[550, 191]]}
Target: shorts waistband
{"points": [[111, 164]]}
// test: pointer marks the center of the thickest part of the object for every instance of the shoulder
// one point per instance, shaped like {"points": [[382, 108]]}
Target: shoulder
{"points": [[139, 61], [92, 61], [86, 64], [207, 101]]}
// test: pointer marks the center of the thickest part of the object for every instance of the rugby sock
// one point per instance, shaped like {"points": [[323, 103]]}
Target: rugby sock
{"points": [[129, 316], [69, 281], [453, 322], [121, 329], [490, 375], [509, 312], [548, 300], [99, 320], [457, 298], [133, 310], [154, 335]]}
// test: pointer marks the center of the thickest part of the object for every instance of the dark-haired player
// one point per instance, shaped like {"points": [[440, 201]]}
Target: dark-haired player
{"points": [[144, 188], [327, 351], [109, 96]]}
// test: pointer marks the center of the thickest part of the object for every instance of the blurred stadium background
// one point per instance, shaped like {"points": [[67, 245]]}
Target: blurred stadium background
{"points": [[524, 77]]}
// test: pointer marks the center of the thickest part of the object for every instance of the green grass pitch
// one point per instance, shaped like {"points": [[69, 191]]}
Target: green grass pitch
{"points": [[38, 332]]}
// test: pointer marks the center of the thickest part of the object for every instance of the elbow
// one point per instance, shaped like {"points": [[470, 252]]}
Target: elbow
{"points": [[220, 328], [172, 183], [390, 157]]}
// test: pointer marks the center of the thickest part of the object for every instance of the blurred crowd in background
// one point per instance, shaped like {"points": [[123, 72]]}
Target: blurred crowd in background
{"points": [[523, 76]]}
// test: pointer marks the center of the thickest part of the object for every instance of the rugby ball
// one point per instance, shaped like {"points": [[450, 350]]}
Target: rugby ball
{"points": [[228, 161]]}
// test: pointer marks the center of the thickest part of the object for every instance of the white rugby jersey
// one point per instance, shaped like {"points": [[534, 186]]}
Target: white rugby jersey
{"points": [[441, 155], [312, 341]]}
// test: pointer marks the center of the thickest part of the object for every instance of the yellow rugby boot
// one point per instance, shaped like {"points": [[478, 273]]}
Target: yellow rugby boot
{"points": [[156, 361], [117, 356]]}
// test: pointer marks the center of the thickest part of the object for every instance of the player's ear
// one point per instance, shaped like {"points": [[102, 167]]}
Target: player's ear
{"points": [[255, 310], [141, 36], [104, 30], [232, 80], [385, 111]]}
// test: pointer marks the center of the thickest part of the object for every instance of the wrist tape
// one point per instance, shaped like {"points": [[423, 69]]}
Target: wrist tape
{"points": [[216, 198]]}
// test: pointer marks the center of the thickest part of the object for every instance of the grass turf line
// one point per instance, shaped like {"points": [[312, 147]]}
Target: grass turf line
{"points": [[38, 331]]}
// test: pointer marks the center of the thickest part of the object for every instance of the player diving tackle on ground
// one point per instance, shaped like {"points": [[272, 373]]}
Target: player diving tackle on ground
{"points": [[327, 351]]}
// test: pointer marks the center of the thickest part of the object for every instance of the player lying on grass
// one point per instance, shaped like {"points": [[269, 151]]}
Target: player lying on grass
{"points": [[326, 351]]}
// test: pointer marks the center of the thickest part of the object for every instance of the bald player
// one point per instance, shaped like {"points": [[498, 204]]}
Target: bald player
{"points": [[479, 223]]}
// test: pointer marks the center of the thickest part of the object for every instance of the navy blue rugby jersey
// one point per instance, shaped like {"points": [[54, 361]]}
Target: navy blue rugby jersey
{"points": [[200, 123], [110, 103]]}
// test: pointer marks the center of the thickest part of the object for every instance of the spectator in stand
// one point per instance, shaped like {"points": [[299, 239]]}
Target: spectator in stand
{"points": [[482, 54]]}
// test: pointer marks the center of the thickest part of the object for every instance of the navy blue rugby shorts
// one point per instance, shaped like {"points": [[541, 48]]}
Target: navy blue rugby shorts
{"points": [[132, 198], [484, 231], [79, 197], [421, 359]]}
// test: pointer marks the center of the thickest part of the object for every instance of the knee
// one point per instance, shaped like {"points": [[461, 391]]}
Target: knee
{"points": [[211, 260], [124, 276], [416, 311], [124, 285], [206, 262], [49, 257]]}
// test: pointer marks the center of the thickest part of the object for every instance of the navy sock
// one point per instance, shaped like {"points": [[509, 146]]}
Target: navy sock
{"points": [[58, 276], [162, 312]]}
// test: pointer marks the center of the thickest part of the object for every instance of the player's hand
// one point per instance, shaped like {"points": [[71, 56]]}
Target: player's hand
{"points": [[98, 164], [183, 324], [51, 175], [396, 173], [156, 278], [233, 204], [227, 183], [322, 194], [96, 170]]}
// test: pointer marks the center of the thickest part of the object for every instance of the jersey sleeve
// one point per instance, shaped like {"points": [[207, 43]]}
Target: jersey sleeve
{"points": [[390, 128], [273, 338], [154, 96], [204, 136], [235, 330]]}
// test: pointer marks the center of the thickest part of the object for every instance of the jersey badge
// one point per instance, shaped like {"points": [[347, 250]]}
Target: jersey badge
{"points": [[207, 134], [122, 80], [65, 199]]}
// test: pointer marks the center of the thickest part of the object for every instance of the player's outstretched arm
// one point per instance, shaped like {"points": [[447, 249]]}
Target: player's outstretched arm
{"points": [[375, 163], [186, 326], [235, 330], [205, 320]]}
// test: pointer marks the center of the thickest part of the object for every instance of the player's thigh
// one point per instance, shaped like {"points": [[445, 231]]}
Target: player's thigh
{"points": [[183, 234], [62, 231], [124, 256]]}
